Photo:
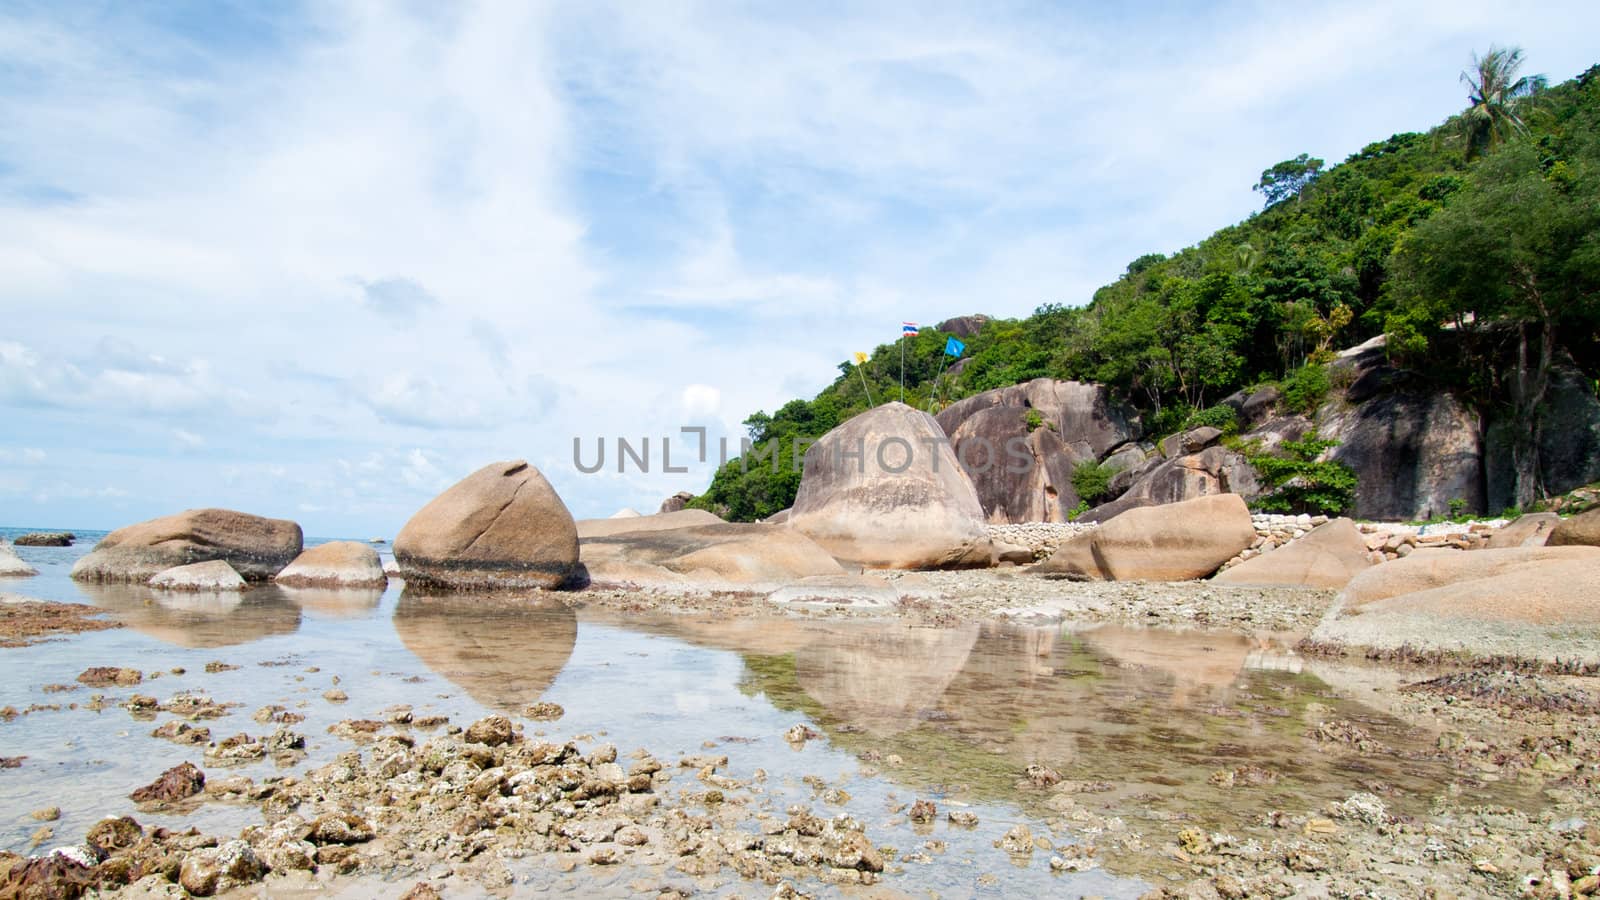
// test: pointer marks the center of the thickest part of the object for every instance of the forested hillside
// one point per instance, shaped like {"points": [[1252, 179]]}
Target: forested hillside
{"points": [[1475, 247]]}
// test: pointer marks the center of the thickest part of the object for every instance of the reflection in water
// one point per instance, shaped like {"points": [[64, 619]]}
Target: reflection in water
{"points": [[335, 603], [503, 653], [886, 679], [198, 618]]}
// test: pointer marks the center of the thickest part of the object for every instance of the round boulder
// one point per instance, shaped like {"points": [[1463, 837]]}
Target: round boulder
{"points": [[335, 564], [1326, 557], [1582, 529], [255, 547], [11, 565], [885, 490], [213, 575], [1174, 542], [503, 526]]}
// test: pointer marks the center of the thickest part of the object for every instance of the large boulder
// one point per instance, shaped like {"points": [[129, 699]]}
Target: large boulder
{"points": [[335, 564], [11, 565], [1176, 542], [1413, 453], [503, 526], [1531, 530], [45, 539], [212, 575], [1019, 444], [676, 502], [1212, 471], [683, 518], [1582, 530], [1540, 603], [1569, 441], [1426, 570], [963, 326], [724, 555], [884, 490], [1327, 557], [255, 547]]}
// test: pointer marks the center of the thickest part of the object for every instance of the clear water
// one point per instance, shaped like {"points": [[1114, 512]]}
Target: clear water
{"points": [[1152, 714]]}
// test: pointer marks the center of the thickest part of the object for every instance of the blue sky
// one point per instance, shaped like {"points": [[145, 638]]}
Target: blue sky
{"points": [[320, 261]]}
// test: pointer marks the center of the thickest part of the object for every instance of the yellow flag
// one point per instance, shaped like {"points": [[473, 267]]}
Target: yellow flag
{"points": [[861, 358]]}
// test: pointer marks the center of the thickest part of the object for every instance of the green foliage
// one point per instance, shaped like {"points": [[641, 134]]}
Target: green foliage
{"points": [[1034, 420], [1221, 416], [1305, 389], [1091, 480], [1289, 178], [1298, 483], [1450, 256], [1082, 507]]}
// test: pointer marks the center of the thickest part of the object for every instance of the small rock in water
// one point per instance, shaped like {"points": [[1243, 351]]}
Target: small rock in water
{"points": [[177, 783], [800, 733], [543, 712], [490, 730], [334, 695], [963, 818], [47, 814], [420, 891], [217, 665], [1017, 841], [923, 811], [110, 676]]}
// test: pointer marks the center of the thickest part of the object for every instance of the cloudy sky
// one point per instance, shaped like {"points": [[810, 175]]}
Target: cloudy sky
{"points": [[320, 261]]}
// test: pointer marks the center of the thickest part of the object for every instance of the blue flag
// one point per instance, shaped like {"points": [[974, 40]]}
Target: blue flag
{"points": [[953, 347]]}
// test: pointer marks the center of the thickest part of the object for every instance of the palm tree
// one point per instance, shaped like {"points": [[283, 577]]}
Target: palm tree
{"points": [[1498, 98]]}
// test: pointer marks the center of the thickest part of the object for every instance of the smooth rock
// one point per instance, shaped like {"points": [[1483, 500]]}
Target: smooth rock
{"points": [[675, 502], [1582, 530], [1326, 557], [503, 526], [1531, 530], [1175, 542], [723, 554], [12, 566], [1426, 570], [884, 490], [257, 548], [215, 575], [1413, 453], [683, 518], [335, 564]]}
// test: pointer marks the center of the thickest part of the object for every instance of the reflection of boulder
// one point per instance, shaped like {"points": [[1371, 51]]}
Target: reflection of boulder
{"points": [[737, 555], [503, 652], [1202, 663], [336, 603], [201, 619], [882, 679]]}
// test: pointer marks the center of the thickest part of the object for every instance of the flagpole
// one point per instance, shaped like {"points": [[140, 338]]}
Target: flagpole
{"points": [[902, 365], [863, 374]]}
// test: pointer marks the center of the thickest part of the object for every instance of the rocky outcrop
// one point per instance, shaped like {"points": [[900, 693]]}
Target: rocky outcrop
{"points": [[503, 526], [1426, 570], [213, 575], [45, 539], [728, 554], [335, 564], [1020, 444], [255, 547], [1192, 441], [1413, 453], [1532, 530], [12, 566], [1540, 603], [1212, 471], [1326, 557], [1173, 543], [884, 490], [683, 518], [963, 326], [675, 502], [1582, 530]]}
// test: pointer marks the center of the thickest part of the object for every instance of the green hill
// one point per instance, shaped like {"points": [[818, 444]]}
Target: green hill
{"points": [[1474, 246]]}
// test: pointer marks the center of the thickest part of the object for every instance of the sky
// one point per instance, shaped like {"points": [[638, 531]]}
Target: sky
{"points": [[320, 261]]}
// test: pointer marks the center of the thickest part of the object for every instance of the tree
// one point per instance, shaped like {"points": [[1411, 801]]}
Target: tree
{"points": [[1509, 261], [1498, 99], [1290, 177]]}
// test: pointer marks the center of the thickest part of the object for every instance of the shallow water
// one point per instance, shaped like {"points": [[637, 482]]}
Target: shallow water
{"points": [[951, 714]]}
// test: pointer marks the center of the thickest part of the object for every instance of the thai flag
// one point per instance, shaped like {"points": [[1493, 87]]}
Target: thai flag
{"points": [[908, 329]]}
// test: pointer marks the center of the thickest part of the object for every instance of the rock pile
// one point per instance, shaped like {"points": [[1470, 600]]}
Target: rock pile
{"points": [[1042, 538]]}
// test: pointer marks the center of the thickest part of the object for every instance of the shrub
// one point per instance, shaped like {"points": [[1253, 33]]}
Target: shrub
{"points": [[1170, 419], [1299, 483], [1082, 507], [1091, 480], [1035, 421], [1305, 389], [1221, 416]]}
